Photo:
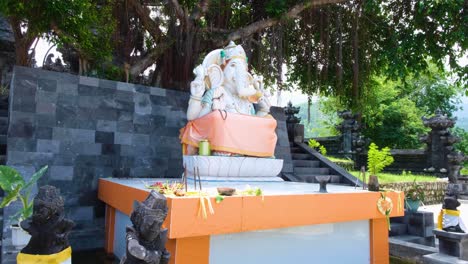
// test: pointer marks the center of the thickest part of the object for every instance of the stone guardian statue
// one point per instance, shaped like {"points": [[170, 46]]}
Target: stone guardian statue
{"points": [[48, 228], [146, 239]]}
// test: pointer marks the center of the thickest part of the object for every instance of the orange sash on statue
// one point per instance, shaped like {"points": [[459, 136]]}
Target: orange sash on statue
{"points": [[235, 133]]}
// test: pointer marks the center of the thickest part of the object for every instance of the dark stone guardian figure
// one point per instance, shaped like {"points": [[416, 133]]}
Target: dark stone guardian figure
{"points": [[47, 226], [449, 217], [146, 239]]}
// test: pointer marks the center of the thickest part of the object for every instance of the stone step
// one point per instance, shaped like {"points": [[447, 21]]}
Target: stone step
{"points": [[398, 229], [291, 177], [3, 149], [309, 170], [310, 178], [4, 112], [3, 139], [3, 130], [297, 150], [3, 120], [439, 258], [301, 156], [306, 163]]}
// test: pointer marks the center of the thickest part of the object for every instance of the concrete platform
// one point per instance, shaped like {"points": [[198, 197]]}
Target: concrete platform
{"points": [[289, 222]]}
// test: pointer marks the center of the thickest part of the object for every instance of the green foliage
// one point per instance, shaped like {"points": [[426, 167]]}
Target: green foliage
{"points": [[415, 192], [322, 124], [276, 8], [464, 170], [15, 187], [323, 150], [386, 177], [462, 146], [432, 90], [85, 25], [313, 143], [316, 145], [395, 40], [377, 159], [392, 109]]}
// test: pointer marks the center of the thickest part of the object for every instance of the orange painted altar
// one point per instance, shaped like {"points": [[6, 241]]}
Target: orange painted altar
{"points": [[193, 239]]}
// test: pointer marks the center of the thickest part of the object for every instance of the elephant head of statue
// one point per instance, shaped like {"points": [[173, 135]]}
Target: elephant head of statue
{"points": [[229, 67]]}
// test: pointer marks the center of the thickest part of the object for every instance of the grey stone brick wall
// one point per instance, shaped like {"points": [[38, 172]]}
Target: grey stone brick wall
{"points": [[87, 128]]}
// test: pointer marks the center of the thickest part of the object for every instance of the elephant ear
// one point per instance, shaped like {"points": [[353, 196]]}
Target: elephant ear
{"points": [[215, 76]]}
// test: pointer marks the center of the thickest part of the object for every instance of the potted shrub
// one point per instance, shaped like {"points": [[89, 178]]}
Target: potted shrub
{"points": [[16, 188], [414, 196], [377, 160]]}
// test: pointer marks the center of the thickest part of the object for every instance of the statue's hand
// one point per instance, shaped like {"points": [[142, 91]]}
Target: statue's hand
{"points": [[264, 106], [197, 86], [258, 82], [199, 72], [136, 250]]}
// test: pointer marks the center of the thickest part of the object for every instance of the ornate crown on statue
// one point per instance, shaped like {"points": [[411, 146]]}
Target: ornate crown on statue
{"points": [[221, 56]]}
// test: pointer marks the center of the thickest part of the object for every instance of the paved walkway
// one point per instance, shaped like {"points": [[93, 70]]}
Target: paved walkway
{"points": [[435, 208]]}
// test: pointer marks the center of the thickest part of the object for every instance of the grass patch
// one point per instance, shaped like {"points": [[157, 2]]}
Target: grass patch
{"points": [[464, 170], [385, 177], [397, 260], [347, 164], [341, 160]]}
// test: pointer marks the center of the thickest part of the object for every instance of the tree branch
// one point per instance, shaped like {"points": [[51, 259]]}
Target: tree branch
{"points": [[179, 10], [149, 24], [266, 23], [149, 59], [200, 9]]}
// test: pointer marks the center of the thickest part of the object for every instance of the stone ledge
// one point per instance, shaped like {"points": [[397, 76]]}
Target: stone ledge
{"points": [[406, 249], [453, 244], [451, 235], [438, 258]]}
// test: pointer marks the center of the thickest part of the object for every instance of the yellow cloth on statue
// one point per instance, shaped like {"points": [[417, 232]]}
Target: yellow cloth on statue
{"points": [[443, 212], [56, 258]]}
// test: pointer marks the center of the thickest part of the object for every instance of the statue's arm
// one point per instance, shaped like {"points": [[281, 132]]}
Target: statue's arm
{"points": [[264, 103], [197, 89], [264, 106]]}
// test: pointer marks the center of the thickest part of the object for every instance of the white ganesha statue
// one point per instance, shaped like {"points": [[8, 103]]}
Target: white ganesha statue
{"points": [[223, 82]]}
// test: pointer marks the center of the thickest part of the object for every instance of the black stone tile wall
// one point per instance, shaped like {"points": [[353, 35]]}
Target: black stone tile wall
{"points": [[86, 128]]}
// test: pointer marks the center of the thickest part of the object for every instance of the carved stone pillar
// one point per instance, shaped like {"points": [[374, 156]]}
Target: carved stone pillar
{"points": [[295, 130], [442, 157]]}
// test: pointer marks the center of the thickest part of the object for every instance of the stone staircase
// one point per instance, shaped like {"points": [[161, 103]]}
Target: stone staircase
{"points": [[308, 163]]}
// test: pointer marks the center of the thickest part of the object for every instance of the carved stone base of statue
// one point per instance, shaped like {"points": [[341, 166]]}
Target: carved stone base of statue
{"points": [[146, 239], [219, 168]]}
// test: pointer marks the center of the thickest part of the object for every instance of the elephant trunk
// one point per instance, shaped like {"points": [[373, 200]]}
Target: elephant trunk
{"points": [[243, 82]]}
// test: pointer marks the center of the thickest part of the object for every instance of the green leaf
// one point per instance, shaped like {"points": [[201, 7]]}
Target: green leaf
{"points": [[36, 176], [11, 196], [10, 179], [27, 211], [219, 198]]}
